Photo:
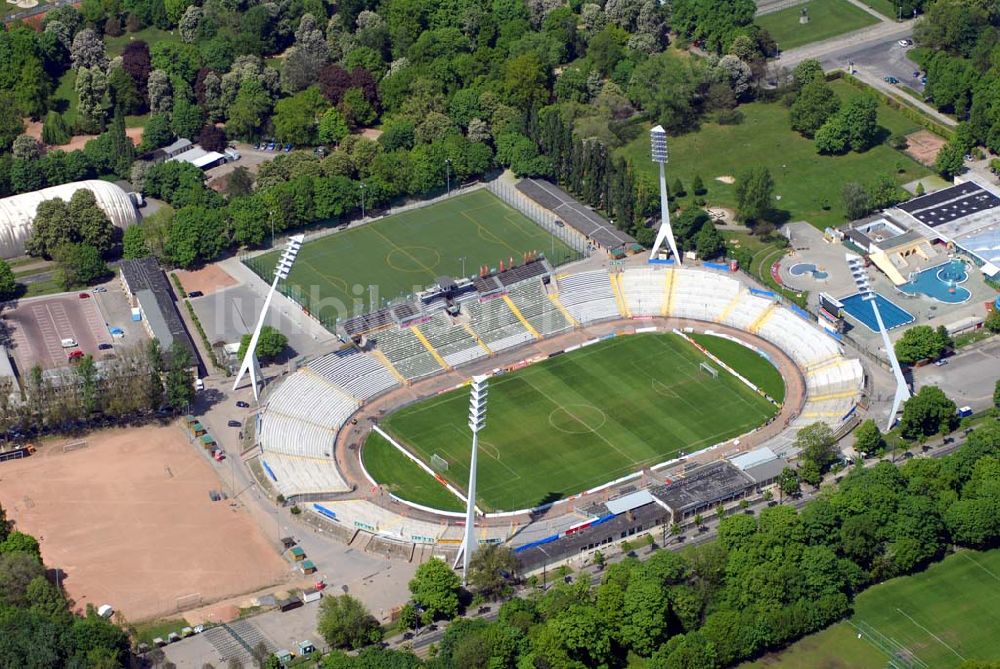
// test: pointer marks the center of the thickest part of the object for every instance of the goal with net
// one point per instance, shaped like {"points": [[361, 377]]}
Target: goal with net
{"points": [[708, 369], [438, 463]]}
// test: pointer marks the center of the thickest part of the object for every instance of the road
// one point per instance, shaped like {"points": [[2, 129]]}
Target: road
{"points": [[968, 378]]}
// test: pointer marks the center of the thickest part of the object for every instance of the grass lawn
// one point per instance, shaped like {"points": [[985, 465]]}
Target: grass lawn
{"points": [[554, 429], [935, 618], [739, 357], [409, 251], [66, 90], [886, 8], [115, 45], [404, 478], [827, 18], [146, 632], [807, 184]]}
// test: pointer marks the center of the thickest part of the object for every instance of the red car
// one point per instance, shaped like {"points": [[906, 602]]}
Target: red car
{"points": [[84, 295], [75, 355]]}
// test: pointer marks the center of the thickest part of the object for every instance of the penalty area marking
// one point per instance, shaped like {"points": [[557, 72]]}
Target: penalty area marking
{"points": [[935, 636]]}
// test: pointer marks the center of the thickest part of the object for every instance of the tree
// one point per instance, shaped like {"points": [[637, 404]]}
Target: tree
{"points": [[134, 243], [928, 412], [186, 120], [435, 588], [867, 438], [88, 51], [697, 186], [297, 118], [90, 224], [55, 131], [157, 132], [344, 622], [806, 72], [677, 188], [357, 111], [154, 387], [11, 122], [8, 283], [813, 107], [754, 190], [817, 448], [240, 183], [788, 481], [992, 322], [856, 201], [197, 233], [333, 127], [492, 570], [270, 344], [92, 92], [950, 160], [709, 242], [212, 138], [921, 342], [160, 92], [996, 394], [179, 380], [78, 265]]}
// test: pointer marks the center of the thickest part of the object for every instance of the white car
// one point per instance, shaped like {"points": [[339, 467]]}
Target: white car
{"points": [[905, 42]]}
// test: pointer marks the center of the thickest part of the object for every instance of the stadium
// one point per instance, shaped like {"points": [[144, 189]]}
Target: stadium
{"points": [[609, 379]]}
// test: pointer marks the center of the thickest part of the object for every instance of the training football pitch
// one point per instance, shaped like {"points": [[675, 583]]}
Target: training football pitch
{"points": [[578, 420], [338, 275], [937, 618]]}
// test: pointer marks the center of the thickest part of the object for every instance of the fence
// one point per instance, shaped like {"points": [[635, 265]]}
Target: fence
{"points": [[544, 218]]}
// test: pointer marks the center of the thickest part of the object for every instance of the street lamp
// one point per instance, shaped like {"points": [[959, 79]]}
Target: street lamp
{"points": [[463, 266], [362, 199], [447, 174], [857, 268], [281, 271], [477, 420], [658, 150]]}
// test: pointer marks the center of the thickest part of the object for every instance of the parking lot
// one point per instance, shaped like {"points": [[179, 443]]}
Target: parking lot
{"points": [[36, 329], [890, 59]]}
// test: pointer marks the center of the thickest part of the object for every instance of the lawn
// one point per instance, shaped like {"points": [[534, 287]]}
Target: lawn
{"points": [[578, 420], [807, 185], [739, 357], [886, 8], [827, 18], [345, 272], [404, 478], [936, 618], [115, 45]]}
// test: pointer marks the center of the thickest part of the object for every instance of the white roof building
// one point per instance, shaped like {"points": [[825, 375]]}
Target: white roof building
{"points": [[17, 213]]}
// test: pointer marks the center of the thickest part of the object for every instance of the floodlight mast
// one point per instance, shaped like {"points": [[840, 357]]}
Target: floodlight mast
{"points": [[477, 420], [860, 275], [249, 363], [658, 146]]}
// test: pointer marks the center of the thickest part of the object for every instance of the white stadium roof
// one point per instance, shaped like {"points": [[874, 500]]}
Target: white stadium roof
{"points": [[18, 212]]}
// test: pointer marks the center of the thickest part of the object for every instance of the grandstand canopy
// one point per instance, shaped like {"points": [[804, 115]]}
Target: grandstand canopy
{"points": [[17, 213], [574, 213]]}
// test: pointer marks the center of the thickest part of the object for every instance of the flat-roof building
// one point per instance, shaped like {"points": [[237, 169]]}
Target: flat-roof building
{"points": [[703, 489]]}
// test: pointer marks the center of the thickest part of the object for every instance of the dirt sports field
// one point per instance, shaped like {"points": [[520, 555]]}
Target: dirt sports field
{"points": [[129, 521], [208, 279], [923, 146]]}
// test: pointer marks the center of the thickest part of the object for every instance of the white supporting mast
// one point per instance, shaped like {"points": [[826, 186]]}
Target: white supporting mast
{"points": [[857, 267], [249, 363], [658, 144], [477, 420]]}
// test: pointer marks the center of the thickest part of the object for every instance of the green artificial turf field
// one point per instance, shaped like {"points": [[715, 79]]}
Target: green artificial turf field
{"points": [[581, 419], [409, 251], [936, 618], [387, 465], [739, 357], [809, 185], [827, 18]]}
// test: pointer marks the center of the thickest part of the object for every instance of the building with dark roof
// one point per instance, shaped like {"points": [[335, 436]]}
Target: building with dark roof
{"points": [[584, 220], [148, 289], [703, 489]]}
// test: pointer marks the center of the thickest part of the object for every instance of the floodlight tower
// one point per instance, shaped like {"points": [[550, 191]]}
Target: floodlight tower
{"points": [[477, 420], [857, 267], [658, 144], [250, 363]]}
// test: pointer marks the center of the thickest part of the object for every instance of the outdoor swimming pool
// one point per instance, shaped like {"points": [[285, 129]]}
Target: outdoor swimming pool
{"points": [[861, 310], [940, 283], [807, 268]]}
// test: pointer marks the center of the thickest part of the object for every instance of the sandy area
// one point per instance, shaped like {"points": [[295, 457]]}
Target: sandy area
{"points": [[726, 179], [924, 146], [129, 521], [721, 215], [208, 279], [34, 128]]}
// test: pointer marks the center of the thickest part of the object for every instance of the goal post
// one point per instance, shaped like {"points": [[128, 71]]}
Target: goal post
{"points": [[708, 369], [438, 463]]}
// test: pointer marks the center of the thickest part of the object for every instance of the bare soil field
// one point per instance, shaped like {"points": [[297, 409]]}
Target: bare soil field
{"points": [[128, 520], [208, 279], [923, 146]]}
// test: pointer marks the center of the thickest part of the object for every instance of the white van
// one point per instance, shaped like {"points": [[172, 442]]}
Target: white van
{"points": [[199, 384], [68, 343]]}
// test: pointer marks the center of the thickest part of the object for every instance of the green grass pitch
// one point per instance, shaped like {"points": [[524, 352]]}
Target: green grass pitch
{"points": [[739, 357], [827, 18], [939, 616], [407, 252], [578, 420], [386, 465]]}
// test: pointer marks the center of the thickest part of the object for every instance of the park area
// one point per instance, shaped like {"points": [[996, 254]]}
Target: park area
{"points": [[807, 185], [827, 18], [935, 619], [403, 253], [126, 516], [555, 428]]}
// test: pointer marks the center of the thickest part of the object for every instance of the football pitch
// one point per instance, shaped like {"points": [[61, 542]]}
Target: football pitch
{"points": [[935, 619], [578, 420], [350, 271]]}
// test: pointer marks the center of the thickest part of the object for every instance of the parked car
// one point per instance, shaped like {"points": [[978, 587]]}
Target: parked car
{"points": [[104, 347], [940, 363], [68, 343], [891, 80], [243, 405], [219, 455], [75, 356], [905, 42], [195, 293], [84, 296], [234, 423], [100, 289]]}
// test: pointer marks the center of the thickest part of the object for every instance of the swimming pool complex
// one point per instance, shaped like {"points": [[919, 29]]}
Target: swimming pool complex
{"points": [[941, 283], [861, 310], [807, 268]]}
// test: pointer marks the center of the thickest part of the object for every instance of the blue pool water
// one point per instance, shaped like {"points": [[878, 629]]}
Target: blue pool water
{"points": [[940, 283], [807, 268], [860, 310]]}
